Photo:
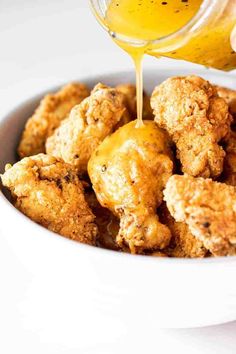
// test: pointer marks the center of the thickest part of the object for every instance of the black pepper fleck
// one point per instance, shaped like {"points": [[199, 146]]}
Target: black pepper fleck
{"points": [[104, 168]]}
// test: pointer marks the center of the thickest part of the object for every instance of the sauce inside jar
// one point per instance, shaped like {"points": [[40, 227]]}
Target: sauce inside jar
{"points": [[149, 20]]}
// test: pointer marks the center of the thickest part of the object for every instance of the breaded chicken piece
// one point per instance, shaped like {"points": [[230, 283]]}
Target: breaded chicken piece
{"points": [[209, 209], [87, 126], [183, 244], [229, 173], [129, 171], [49, 192], [197, 120], [48, 116], [229, 96], [129, 92]]}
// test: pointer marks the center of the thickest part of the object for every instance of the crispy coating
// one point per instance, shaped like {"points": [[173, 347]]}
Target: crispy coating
{"points": [[87, 126], [49, 192], [129, 92], [229, 96], [209, 209], [229, 173], [48, 116], [197, 120], [129, 100], [183, 244], [129, 171]]}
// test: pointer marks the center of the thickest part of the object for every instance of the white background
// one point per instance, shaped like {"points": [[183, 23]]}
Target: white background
{"points": [[43, 43]]}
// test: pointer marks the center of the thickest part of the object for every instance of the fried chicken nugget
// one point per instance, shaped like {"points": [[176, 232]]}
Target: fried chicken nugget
{"points": [[209, 209], [87, 126], [49, 192], [229, 96], [183, 244], [129, 171], [129, 92], [48, 116], [197, 120]]}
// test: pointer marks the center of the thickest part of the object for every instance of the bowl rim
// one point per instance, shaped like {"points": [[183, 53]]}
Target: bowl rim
{"points": [[7, 205]]}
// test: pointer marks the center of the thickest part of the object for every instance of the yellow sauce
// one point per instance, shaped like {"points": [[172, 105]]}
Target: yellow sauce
{"points": [[149, 20], [211, 48]]}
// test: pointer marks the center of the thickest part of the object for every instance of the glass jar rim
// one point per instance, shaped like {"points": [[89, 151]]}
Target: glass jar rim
{"points": [[197, 21]]}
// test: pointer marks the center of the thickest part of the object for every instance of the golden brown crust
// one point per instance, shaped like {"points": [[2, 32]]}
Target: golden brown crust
{"points": [[49, 192], [147, 109], [197, 120], [129, 92], [88, 124], [183, 243], [128, 172], [48, 116], [229, 96], [209, 209], [229, 173]]}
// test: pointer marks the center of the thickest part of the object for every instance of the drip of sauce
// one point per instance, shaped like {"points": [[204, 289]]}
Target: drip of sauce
{"points": [[146, 20], [138, 61]]}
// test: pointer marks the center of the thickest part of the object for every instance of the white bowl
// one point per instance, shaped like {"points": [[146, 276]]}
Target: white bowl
{"points": [[78, 290]]}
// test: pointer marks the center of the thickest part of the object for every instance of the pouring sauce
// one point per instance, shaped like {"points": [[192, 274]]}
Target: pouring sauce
{"points": [[150, 20], [147, 20]]}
